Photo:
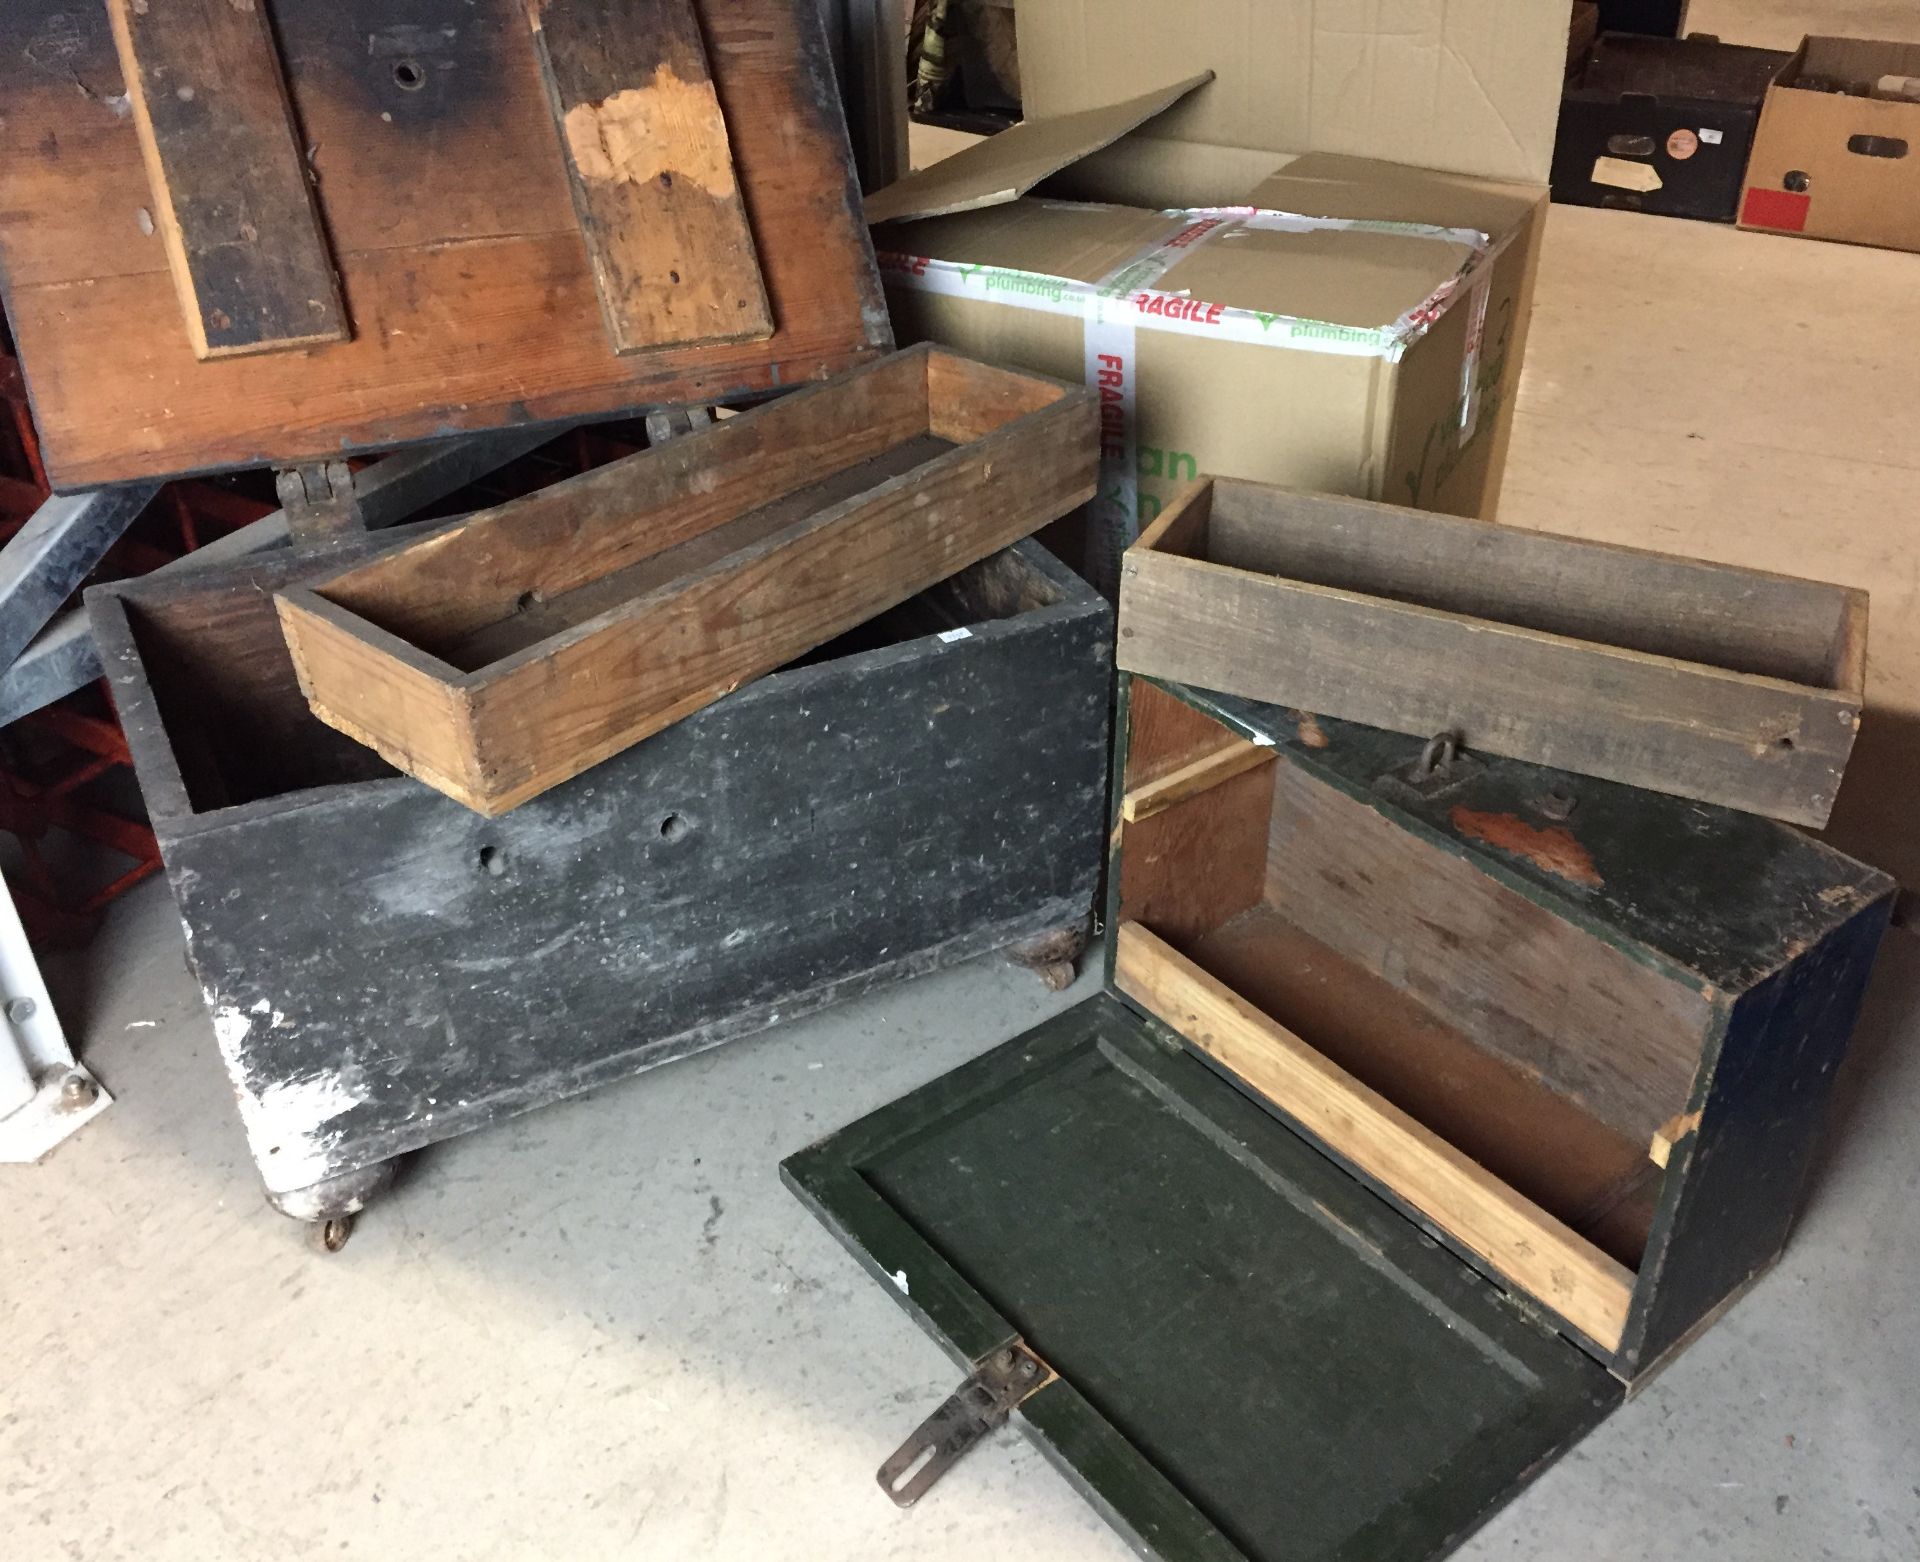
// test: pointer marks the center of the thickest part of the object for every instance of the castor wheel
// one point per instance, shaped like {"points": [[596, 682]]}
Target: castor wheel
{"points": [[1058, 975], [327, 1209], [1053, 957], [329, 1236]]}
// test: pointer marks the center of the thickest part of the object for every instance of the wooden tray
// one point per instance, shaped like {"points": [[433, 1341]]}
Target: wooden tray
{"points": [[1702, 680], [499, 658]]}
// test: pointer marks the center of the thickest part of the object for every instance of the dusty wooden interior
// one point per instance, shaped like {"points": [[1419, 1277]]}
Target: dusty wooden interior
{"points": [[1771, 626], [240, 729], [511, 579], [1546, 1057]]}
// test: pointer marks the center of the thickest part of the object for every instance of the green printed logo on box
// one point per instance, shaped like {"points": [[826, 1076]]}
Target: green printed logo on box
{"points": [[1031, 284]]}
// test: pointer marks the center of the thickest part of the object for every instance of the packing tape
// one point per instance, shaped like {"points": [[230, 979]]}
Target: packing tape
{"points": [[1111, 360]]}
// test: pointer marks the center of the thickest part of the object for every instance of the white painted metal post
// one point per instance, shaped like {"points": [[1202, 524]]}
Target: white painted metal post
{"points": [[44, 1094]]}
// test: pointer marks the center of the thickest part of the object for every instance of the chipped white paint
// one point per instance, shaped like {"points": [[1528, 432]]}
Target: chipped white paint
{"points": [[230, 1028], [287, 1121]]}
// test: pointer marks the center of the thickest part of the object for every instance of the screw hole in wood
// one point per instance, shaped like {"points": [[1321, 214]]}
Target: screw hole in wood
{"points": [[408, 76]]}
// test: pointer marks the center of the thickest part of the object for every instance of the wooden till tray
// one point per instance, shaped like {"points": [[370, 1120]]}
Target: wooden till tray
{"points": [[1702, 680], [499, 658]]}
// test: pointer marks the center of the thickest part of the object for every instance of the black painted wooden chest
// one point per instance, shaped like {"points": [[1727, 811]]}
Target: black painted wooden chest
{"points": [[1437, 1097], [386, 968]]}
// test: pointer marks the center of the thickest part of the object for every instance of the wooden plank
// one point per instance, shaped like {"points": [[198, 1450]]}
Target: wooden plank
{"points": [[410, 709], [473, 297], [1505, 1118], [1518, 1239], [1190, 780], [584, 529], [1745, 741], [655, 632], [1607, 1031], [227, 168], [651, 170], [1739, 619]]}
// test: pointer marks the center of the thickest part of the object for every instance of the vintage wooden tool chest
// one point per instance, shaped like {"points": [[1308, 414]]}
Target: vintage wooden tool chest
{"points": [[386, 968], [1436, 1098]]}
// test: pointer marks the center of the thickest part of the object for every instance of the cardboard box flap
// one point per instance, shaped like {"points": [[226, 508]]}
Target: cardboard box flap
{"points": [[1469, 86], [1343, 276], [1078, 242], [1677, 70], [1004, 167], [1858, 60], [1381, 283], [1329, 184]]}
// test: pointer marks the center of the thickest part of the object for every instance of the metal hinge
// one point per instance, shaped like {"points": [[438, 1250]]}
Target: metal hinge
{"points": [[320, 501], [993, 1391]]}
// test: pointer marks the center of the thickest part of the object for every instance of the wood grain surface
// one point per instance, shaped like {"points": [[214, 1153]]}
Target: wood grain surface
{"points": [[1519, 1239], [462, 267], [227, 167], [651, 171], [1534, 647]]}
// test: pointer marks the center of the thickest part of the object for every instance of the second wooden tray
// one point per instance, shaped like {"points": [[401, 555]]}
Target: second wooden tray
{"points": [[1702, 680], [501, 657]]}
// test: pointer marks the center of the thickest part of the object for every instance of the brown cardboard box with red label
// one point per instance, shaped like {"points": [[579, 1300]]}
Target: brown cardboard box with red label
{"points": [[1837, 154], [1279, 247]]}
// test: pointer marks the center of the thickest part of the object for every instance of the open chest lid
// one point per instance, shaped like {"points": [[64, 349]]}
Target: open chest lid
{"points": [[1247, 1355]]}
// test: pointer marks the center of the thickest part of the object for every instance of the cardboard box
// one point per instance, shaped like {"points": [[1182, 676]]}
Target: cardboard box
{"points": [[1662, 125], [1280, 248], [1832, 161]]}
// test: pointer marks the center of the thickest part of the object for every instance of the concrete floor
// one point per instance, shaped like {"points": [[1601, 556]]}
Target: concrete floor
{"points": [[607, 1331]]}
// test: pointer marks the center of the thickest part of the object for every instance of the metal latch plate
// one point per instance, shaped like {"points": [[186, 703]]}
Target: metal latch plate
{"points": [[992, 1392]]}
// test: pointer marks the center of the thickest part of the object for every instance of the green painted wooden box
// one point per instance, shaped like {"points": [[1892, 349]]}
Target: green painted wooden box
{"points": [[1432, 1102]]}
